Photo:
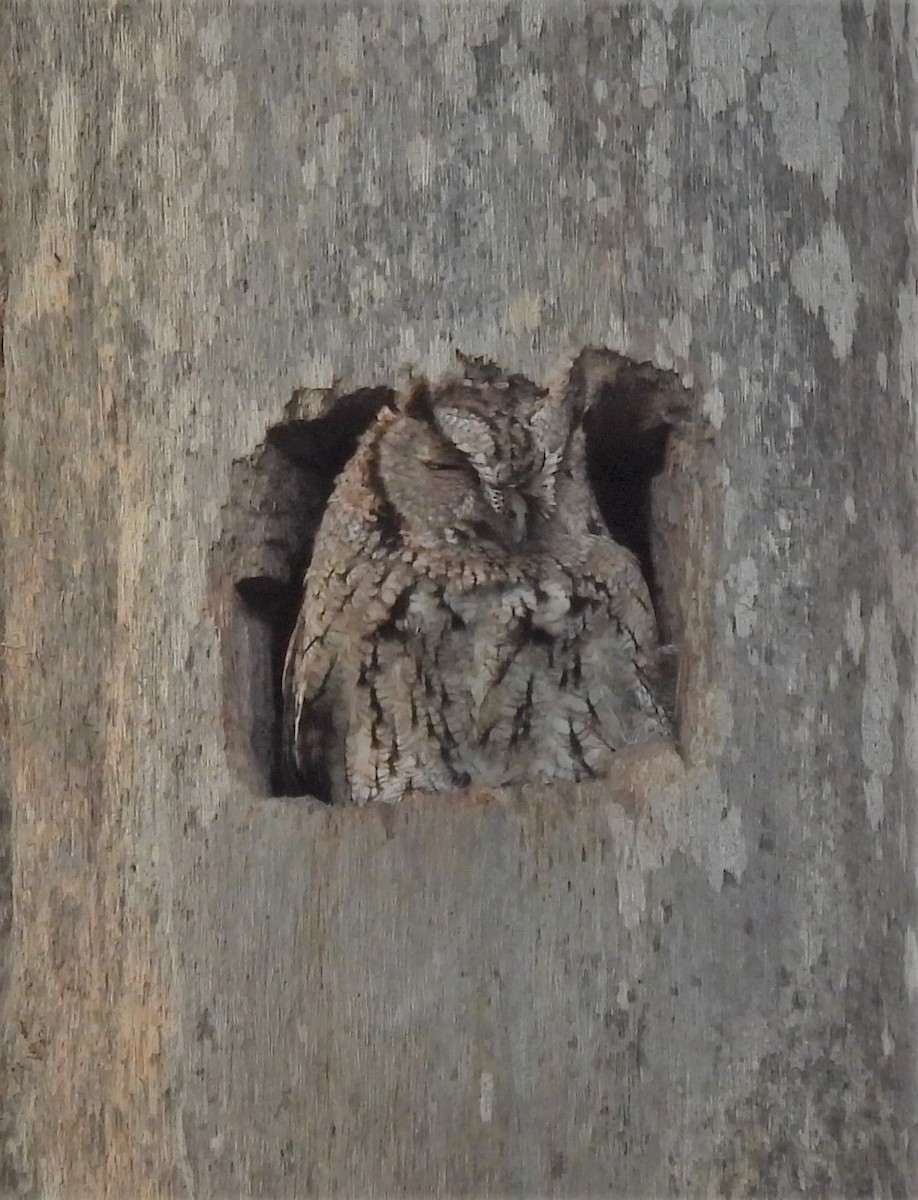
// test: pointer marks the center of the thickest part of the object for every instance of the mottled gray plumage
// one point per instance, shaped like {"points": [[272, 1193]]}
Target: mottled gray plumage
{"points": [[466, 618]]}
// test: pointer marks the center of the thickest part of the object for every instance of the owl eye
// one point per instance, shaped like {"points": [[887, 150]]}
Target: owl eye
{"points": [[444, 466]]}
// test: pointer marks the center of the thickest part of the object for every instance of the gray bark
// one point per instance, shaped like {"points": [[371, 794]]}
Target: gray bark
{"points": [[698, 977]]}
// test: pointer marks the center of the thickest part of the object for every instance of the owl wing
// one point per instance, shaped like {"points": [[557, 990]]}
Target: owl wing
{"points": [[308, 733], [613, 577], [613, 636], [348, 591]]}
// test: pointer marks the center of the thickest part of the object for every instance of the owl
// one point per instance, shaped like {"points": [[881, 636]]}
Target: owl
{"points": [[466, 619]]}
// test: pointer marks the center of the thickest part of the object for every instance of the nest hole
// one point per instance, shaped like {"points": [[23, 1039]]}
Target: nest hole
{"points": [[279, 492]]}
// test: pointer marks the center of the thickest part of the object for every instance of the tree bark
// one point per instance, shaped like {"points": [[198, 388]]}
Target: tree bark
{"points": [[698, 977]]}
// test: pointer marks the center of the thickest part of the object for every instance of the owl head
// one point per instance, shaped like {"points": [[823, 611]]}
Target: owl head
{"points": [[472, 460]]}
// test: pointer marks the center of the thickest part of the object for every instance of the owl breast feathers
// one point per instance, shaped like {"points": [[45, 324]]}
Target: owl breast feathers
{"points": [[466, 619]]}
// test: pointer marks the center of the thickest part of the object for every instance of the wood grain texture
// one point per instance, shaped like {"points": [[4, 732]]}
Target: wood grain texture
{"points": [[696, 979]]}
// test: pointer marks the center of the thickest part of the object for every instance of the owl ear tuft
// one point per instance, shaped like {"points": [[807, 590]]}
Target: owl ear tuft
{"points": [[416, 400]]}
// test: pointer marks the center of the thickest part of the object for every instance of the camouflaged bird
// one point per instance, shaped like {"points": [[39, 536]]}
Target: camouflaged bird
{"points": [[466, 618]]}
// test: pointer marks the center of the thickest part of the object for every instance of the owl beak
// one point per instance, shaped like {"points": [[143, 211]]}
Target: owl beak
{"points": [[517, 512]]}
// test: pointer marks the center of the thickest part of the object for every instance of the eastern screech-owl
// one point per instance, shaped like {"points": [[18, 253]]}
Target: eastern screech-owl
{"points": [[466, 617]]}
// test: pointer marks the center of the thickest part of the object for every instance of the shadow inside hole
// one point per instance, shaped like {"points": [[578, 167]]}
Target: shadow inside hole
{"points": [[281, 491], [323, 443], [628, 428], [273, 605]]}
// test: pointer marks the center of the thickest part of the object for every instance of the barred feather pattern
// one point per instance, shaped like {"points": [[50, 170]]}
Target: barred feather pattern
{"points": [[465, 619]]}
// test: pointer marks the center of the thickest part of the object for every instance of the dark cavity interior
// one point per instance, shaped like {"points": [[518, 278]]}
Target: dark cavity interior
{"points": [[279, 495], [627, 436]]}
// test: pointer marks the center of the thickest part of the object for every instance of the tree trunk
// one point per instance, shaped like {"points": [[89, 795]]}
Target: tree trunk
{"points": [[697, 977]]}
